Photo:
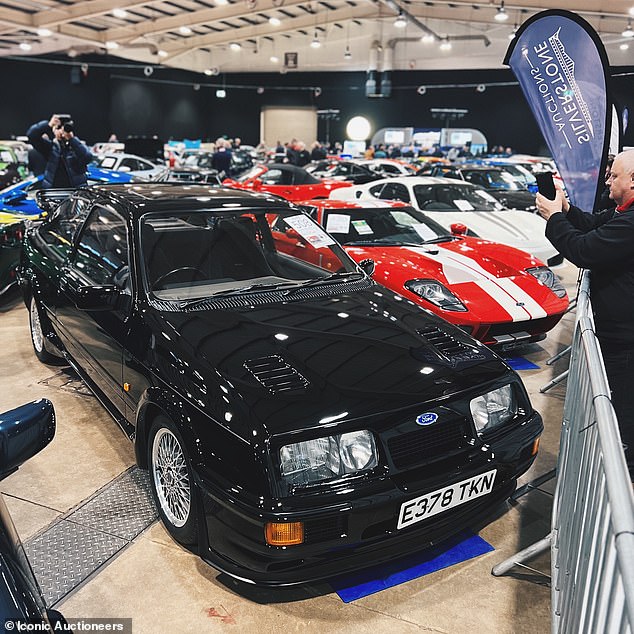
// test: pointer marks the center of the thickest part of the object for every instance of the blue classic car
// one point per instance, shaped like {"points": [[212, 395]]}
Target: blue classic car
{"points": [[20, 198], [24, 431]]}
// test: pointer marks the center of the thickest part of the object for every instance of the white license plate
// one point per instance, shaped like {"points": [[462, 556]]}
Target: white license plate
{"points": [[441, 500]]}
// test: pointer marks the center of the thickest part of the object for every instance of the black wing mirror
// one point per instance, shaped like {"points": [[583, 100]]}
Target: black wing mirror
{"points": [[108, 297], [49, 199], [25, 431], [367, 266]]}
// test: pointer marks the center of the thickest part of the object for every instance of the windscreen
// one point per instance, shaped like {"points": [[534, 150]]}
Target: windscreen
{"points": [[454, 198], [402, 225], [188, 255]]}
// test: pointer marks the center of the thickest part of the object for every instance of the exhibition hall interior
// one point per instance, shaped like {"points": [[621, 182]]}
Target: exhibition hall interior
{"points": [[289, 341]]}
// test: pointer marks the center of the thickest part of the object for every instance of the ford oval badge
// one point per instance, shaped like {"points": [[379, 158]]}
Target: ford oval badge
{"points": [[428, 418]]}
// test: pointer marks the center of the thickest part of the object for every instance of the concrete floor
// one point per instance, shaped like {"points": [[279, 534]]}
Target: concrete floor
{"points": [[164, 588]]}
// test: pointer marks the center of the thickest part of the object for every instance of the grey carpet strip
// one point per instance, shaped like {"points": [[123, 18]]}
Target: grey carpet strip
{"points": [[73, 547]]}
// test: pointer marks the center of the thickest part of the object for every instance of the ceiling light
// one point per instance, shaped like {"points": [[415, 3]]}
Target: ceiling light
{"points": [[400, 22], [111, 45], [428, 38], [234, 46], [208, 72], [501, 15], [274, 59], [162, 53], [628, 30], [221, 93], [185, 30], [445, 44], [347, 54], [624, 47], [315, 43], [44, 32], [25, 46], [513, 33], [222, 3], [275, 21], [120, 13]]}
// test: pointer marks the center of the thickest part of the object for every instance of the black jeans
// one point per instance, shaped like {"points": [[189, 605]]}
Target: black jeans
{"points": [[619, 366]]}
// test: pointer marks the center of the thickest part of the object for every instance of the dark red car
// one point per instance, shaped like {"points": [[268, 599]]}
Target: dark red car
{"points": [[286, 180]]}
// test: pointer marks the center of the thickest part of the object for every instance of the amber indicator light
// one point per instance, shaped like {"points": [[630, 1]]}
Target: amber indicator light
{"points": [[126, 387], [535, 446], [284, 533]]}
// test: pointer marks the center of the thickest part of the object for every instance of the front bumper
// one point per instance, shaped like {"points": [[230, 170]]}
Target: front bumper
{"points": [[361, 529]]}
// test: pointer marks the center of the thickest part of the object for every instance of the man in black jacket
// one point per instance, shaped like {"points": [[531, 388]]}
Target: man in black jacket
{"points": [[65, 155], [604, 243]]}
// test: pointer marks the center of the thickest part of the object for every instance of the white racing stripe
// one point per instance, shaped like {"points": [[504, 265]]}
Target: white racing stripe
{"points": [[458, 268]]}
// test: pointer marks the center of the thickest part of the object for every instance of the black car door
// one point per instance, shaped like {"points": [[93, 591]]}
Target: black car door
{"points": [[53, 241], [96, 337]]}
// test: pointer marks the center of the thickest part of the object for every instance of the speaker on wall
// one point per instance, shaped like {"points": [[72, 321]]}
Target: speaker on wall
{"points": [[75, 75]]}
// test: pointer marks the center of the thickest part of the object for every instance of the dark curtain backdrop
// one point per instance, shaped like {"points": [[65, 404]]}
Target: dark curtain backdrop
{"points": [[176, 104]]}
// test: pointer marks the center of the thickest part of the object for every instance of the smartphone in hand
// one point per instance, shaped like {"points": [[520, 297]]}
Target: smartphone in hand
{"points": [[546, 185]]}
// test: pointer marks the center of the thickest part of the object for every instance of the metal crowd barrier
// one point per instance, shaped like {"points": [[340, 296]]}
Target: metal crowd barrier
{"points": [[592, 537]]}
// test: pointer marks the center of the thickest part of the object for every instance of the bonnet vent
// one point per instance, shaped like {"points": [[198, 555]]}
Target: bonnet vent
{"points": [[275, 374], [442, 341]]}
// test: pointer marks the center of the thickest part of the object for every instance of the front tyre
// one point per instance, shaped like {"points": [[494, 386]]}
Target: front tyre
{"points": [[173, 488], [37, 335]]}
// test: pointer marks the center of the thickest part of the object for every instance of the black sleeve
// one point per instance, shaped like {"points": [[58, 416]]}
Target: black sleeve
{"points": [[586, 222], [612, 241], [35, 135]]}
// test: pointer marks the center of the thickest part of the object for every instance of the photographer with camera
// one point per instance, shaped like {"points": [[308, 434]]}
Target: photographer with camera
{"points": [[66, 156]]}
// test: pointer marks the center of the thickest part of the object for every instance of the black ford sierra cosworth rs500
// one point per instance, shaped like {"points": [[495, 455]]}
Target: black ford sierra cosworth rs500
{"points": [[298, 420]]}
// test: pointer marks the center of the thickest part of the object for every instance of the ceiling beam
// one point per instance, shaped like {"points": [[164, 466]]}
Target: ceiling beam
{"points": [[308, 22], [81, 11], [195, 18]]}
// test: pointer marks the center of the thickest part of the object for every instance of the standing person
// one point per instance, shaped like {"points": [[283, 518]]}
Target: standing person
{"points": [[317, 152], [604, 243], [66, 156], [292, 152], [280, 152], [303, 155], [221, 159]]}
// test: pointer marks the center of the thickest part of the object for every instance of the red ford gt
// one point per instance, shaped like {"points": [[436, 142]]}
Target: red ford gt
{"points": [[503, 296], [286, 180]]}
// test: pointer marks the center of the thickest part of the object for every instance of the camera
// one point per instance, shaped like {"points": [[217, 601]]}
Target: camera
{"points": [[67, 127]]}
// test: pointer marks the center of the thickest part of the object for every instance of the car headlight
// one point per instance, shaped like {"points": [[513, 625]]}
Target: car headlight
{"points": [[548, 278], [436, 293], [310, 461], [493, 408]]}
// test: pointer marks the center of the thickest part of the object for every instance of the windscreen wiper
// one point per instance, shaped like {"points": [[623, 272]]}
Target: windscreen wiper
{"points": [[233, 291], [398, 243], [346, 276], [441, 239]]}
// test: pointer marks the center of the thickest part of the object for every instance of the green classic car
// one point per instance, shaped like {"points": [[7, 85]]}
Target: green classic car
{"points": [[11, 169], [11, 233]]}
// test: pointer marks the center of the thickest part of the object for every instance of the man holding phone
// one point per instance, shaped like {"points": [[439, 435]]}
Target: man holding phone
{"points": [[604, 244], [66, 156]]}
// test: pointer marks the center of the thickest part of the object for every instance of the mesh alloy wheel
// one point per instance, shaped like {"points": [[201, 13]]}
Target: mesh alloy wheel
{"points": [[171, 477]]}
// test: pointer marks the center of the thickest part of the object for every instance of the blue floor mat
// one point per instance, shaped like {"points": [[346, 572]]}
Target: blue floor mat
{"points": [[461, 548], [519, 363]]}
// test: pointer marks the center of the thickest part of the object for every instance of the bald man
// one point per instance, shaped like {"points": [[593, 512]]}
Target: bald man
{"points": [[604, 243]]}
